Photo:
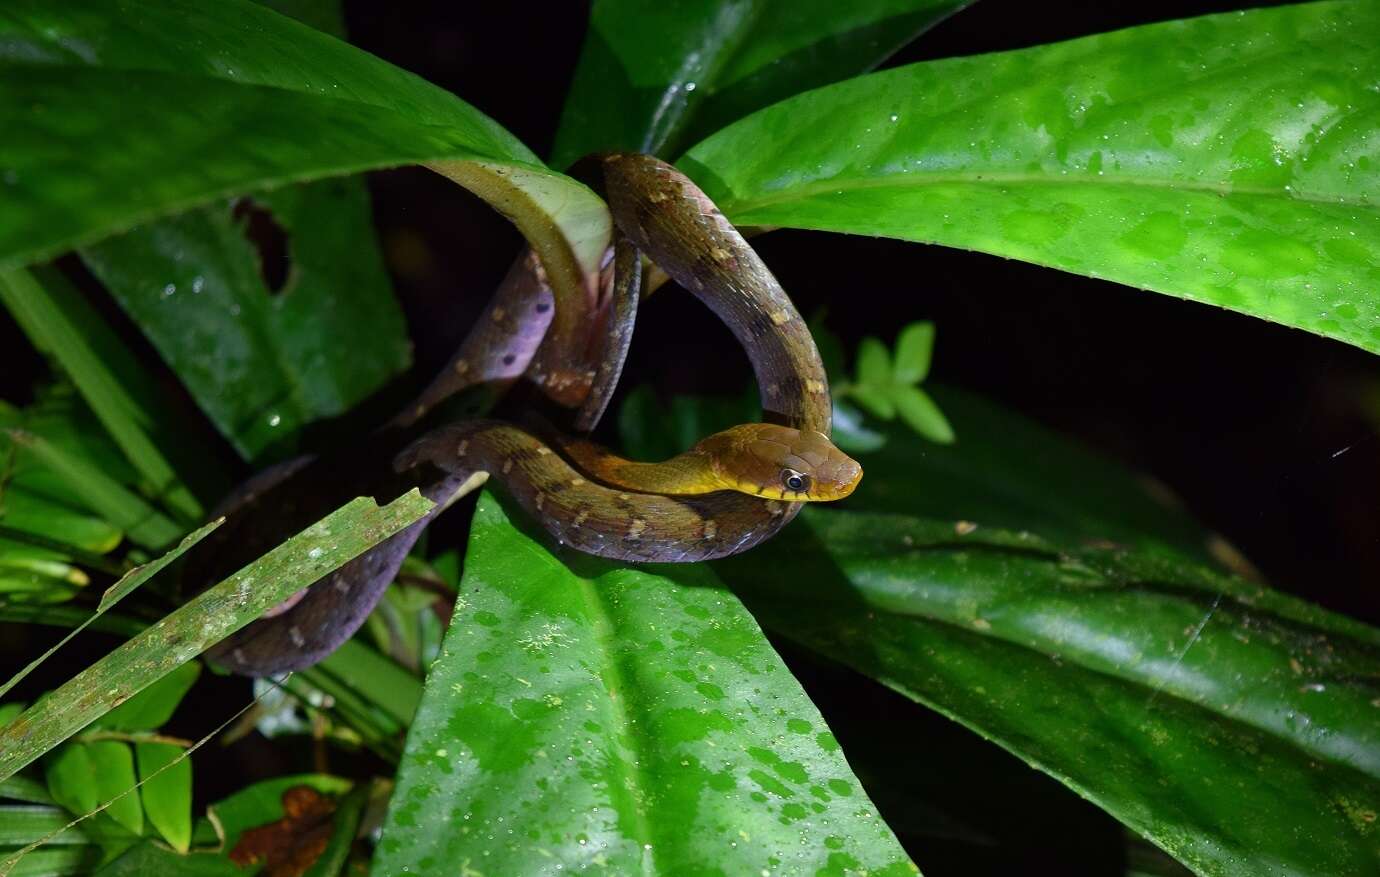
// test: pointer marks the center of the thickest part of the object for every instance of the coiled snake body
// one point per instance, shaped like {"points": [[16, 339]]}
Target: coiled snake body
{"points": [[728, 493]]}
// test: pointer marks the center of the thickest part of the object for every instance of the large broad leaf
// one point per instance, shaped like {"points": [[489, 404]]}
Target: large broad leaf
{"points": [[262, 361], [186, 102], [1231, 160], [1231, 725], [589, 715], [654, 76]]}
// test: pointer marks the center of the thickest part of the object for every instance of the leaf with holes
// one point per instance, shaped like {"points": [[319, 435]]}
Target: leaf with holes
{"points": [[586, 714], [1230, 160], [275, 310], [656, 76], [192, 102], [263, 362]]}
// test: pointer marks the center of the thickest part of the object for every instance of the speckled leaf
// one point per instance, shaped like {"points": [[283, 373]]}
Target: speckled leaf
{"points": [[594, 716], [654, 76], [1234, 726], [201, 622], [191, 101], [1230, 160]]}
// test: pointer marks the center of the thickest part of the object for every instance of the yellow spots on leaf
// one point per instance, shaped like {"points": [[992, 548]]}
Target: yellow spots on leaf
{"points": [[963, 528]]}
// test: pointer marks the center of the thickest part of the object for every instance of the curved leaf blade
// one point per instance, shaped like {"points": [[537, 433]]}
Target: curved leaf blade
{"points": [[589, 715], [232, 98], [1231, 725], [654, 76], [1229, 159]]}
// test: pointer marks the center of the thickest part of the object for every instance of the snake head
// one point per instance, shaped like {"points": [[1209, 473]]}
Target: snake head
{"points": [[779, 462]]}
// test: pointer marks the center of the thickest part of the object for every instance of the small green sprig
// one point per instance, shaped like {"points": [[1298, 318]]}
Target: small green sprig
{"points": [[887, 384]]}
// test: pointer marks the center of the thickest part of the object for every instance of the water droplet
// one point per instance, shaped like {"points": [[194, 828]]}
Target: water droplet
{"points": [[198, 284], [169, 290], [894, 117], [274, 419], [689, 86]]}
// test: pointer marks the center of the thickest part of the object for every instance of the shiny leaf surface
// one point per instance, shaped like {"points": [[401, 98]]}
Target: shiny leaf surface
{"points": [[1231, 160], [1233, 726], [585, 715], [191, 102], [655, 76]]}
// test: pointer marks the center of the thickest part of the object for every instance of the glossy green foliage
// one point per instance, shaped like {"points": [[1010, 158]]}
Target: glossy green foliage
{"points": [[166, 793], [260, 361], [655, 77], [1231, 725], [301, 104], [587, 715], [203, 621], [1230, 160], [263, 363]]}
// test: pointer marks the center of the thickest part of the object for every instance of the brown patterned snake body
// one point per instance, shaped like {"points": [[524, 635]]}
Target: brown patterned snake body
{"points": [[728, 493]]}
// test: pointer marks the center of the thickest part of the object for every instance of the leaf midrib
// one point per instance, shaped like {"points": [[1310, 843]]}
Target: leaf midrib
{"points": [[612, 675], [734, 208]]}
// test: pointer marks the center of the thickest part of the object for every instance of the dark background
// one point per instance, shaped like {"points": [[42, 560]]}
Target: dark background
{"points": [[1267, 434]]}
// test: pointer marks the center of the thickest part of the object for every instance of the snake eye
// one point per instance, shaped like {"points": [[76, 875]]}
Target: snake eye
{"points": [[796, 481]]}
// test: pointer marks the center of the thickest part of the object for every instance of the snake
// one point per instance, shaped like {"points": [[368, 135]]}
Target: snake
{"points": [[729, 492]]}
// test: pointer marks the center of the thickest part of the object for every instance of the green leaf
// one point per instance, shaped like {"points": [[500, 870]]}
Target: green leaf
{"points": [[151, 708], [114, 594], [192, 102], [143, 523], [166, 773], [113, 764], [874, 362], [1229, 159], [590, 714], [377, 679], [149, 859], [920, 413], [201, 622], [59, 322], [653, 76], [874, 400], [21, 825], [21, 788], [71, 778], [914, 347], [1231, 725], [263, 364], [53, 863]]}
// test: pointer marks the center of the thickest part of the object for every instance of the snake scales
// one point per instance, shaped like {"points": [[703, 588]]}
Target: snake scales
{"points": [[730, 492]]}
